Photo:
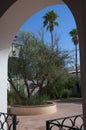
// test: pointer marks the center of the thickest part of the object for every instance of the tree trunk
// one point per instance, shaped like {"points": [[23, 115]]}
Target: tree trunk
{"points": [[76, 67], [27, 87], [52, 41], [17, 92], [76, 61]]}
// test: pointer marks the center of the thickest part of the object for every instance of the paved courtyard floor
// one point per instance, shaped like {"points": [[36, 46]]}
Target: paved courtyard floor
{"points": [[38, 122]]}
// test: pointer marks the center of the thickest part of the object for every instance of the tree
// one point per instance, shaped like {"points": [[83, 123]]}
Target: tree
{"points": [[74, 35], [37, 64], [49, 22], [41, 34]]}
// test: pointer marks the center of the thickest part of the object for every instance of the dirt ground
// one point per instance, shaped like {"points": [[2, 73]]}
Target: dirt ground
{"points": [[38, 122]]}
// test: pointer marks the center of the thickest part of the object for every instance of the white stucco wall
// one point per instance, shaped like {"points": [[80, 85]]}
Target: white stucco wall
{"points": [[3, 79]]}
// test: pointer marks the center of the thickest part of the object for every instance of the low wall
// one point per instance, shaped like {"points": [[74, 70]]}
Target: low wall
{"points": [[33, 110]]}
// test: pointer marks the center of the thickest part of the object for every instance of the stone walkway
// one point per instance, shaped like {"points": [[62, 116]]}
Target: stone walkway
{"points": [[38, 122]]}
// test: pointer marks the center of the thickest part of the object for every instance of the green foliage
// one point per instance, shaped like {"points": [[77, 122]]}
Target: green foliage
{"points": [[62, 87], [34, 100], [43, 67], [55, 90], [37, 100], [65, 93], [74, 35], [13, 98], [50, 20]]}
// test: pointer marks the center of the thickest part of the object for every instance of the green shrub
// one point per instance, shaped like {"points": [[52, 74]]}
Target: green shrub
{"points": [[33, 100], [66, 93], [37, 100], [11, 97]]}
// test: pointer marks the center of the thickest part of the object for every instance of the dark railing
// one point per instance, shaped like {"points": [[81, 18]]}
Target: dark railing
{"points": [[7, 121], [66, 123]]}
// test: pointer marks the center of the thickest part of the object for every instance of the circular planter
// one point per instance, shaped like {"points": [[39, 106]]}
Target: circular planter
{"points": [[33, 110]]}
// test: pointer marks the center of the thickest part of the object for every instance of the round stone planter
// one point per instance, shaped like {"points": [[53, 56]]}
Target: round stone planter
{"points": [[21, 110]]}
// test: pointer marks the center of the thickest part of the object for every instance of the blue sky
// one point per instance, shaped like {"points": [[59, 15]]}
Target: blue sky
{"points": [[66, 24]]}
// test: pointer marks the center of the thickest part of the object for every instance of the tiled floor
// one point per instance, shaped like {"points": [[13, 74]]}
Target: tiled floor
{"points": [[38, 122]]}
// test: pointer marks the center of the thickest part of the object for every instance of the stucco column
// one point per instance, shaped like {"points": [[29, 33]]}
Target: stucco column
{"points": [[78, 8], [82, 34], [3, 79]]}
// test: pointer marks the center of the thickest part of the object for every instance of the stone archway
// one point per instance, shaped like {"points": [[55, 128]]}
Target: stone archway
{"points": [[14, 17]]}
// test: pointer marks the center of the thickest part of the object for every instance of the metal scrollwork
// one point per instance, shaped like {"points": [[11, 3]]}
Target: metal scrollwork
{"points": [[66, 123], [7, 121]]}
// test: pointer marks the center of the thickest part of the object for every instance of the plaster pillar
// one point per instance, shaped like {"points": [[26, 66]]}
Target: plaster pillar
{"points": [[78, 8], [82, 34], [3, 80]]}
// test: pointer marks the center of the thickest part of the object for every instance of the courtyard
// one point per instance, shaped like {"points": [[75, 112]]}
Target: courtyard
{"points": [[38, 122]]}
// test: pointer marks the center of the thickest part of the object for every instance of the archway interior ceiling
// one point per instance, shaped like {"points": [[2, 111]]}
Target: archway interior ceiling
{"points": [[4, 5]]}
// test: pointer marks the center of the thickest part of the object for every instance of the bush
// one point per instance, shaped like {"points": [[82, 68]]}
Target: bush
{"points": [[33, 100], [13, 98], [66, 93], [37, 100]]}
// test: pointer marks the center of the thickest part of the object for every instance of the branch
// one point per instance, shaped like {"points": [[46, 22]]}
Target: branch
{"points": [[17, 92]]}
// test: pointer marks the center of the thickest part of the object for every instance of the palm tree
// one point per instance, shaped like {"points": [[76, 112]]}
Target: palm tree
{"points": [[49, 22], [74, 35]]}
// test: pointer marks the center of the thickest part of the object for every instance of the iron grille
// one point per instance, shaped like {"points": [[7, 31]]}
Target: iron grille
{"points": [[66, 123], [7, 121]]}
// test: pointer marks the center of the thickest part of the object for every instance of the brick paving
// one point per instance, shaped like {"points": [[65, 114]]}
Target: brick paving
{"points": [[38, 122]]}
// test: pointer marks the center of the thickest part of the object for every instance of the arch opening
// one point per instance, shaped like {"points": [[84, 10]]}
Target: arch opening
{"points": [[62, 29], [8, 35]]}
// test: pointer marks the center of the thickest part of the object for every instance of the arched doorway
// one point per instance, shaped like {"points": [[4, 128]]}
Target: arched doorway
{"points": [[9, 26]]}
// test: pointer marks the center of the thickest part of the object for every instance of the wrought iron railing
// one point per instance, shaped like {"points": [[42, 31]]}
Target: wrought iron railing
{"points": [[66, 123], [7, 121]]}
